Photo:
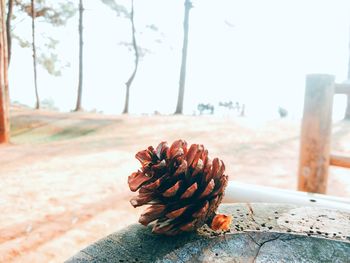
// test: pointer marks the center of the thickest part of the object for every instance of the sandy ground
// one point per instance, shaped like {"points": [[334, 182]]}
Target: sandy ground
{"points": [[63, 178]]}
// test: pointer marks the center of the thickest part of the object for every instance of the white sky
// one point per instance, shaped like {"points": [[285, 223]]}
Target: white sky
{"points": [[261, 60]]}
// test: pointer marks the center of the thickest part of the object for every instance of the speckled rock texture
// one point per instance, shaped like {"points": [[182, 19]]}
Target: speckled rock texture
{"points": [[259, 233]]}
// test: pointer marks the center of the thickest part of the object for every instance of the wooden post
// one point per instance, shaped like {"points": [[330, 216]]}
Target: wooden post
{"points": [[316, 133]]}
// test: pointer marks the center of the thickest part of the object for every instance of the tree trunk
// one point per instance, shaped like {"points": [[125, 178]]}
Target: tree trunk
{"points": [[131, 78], [8, 41], [8, 30], [180, 99], [347, 111], [37, 105], [80, 83], [4, 99]]}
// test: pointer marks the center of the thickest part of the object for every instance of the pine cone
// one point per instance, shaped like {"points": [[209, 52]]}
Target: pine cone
{"points": [[182, 186]]}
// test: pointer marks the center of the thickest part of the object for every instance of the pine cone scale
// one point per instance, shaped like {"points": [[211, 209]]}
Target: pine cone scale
{"points": [[159, 167], [163, 227], [189, 226], [197, 157], [170, 192], [136, 180], [161, 150], [189, 191], [176, 213], [144, 157], [222, 185], [209, 188], [181, 169], [202, 211], [177, 148], [151, 214], [141, 199], [151, 186], [191, 154]]}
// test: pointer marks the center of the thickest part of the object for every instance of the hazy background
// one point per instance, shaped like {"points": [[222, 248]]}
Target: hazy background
{"points": [[255, 52], [63, 176]]}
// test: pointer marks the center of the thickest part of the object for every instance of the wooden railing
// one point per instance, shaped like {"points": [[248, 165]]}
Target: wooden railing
{"points": [[315, 156], [338, 160]]}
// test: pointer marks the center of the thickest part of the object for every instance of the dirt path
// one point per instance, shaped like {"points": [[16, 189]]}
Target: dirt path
{"points": [[63, 181]]}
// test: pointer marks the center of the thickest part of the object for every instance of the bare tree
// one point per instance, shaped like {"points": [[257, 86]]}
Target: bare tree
{"points": [[4, 98], [139, 52], [50, 11], [37, 105], [180, 99], [136, 61], [80, 82], [8, 29], [55, 13]]}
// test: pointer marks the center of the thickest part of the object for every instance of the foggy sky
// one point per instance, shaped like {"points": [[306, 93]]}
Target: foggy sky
{"points": [[256, 52]]}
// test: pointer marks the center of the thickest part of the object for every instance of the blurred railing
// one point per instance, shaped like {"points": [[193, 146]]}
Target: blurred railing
{"points": [[315, 157]]}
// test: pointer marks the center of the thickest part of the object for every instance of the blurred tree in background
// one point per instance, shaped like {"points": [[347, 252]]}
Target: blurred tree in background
{"points": [[4, 95], [33, 15], [122, 11], [347, 110], [8, 29], [136, 61], [138, 51], [180, 99], [47, 11], [80, 76]]}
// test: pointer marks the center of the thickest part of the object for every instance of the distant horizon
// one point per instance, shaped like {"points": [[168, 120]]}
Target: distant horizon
{"points": [[46, 105]]}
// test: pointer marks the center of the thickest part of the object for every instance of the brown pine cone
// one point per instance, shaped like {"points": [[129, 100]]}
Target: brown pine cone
{"points": [[182, 186]]}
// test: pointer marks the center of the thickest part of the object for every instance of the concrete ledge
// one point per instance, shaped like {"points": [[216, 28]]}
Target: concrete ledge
{"points": [[259, 233]]}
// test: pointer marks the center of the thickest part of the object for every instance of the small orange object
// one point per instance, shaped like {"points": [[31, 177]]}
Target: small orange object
{"points": [[221, 222]]}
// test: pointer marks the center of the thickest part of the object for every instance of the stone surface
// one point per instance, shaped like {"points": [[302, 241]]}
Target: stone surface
{"points": [[259, 233]]}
